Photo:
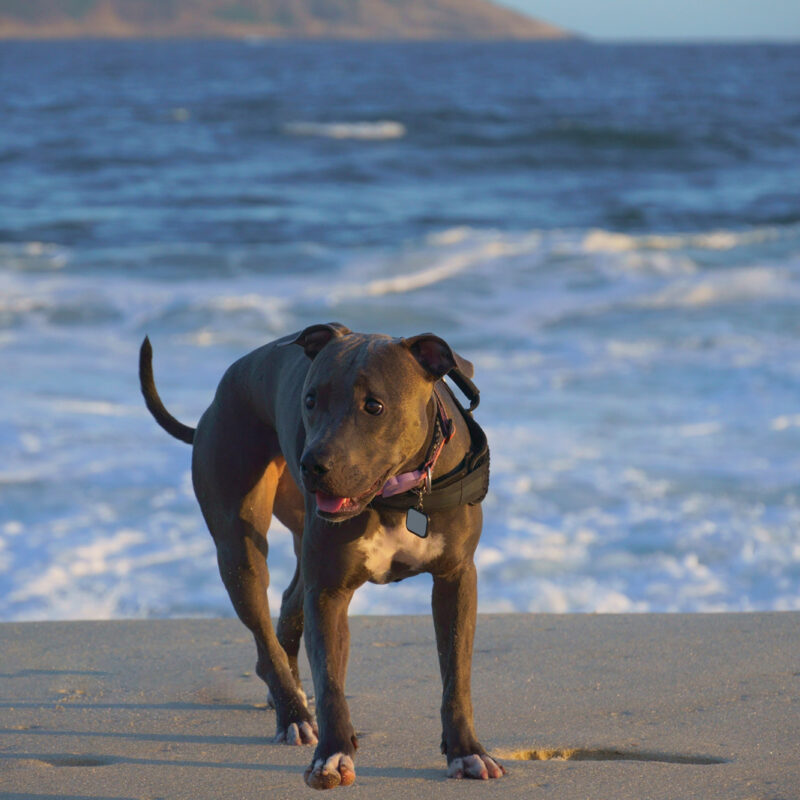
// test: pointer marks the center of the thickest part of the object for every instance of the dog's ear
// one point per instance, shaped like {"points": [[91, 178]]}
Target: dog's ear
{"points": [[436, 357], [315, 337]]}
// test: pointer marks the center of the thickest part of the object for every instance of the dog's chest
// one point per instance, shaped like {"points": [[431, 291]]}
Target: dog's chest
{"points": [[393, 553]]}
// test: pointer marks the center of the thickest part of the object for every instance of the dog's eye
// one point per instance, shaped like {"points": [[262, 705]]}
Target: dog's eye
{"points": [[373, 406], [310, 400]]}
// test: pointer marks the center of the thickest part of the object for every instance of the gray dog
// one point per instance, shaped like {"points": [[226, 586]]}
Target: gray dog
{"points": [[357, 445]]}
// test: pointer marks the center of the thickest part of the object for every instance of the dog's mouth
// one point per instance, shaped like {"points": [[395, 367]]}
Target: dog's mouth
{"points": [[336, 509]]}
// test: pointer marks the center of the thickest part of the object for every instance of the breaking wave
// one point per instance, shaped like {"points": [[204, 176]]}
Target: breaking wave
{"points": [[375, 131]]}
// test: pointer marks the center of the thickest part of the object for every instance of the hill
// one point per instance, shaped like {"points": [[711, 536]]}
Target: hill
{"points": [[333, 19]]}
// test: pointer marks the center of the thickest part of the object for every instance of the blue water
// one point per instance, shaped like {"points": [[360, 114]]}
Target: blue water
{"points": [[611, 233]]}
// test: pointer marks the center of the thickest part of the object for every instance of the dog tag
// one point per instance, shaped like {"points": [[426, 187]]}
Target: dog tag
{"points": [[417, 522]]}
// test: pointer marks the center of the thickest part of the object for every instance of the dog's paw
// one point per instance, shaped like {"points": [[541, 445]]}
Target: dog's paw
{"points": [[481, 767], [338, 770], [297, 733]]}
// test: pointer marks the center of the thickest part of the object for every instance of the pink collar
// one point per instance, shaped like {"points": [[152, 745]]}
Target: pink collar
{"points": [[407, 481]]}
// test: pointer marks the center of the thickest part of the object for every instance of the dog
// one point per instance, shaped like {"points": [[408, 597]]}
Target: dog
{"points": [[358, 446]]}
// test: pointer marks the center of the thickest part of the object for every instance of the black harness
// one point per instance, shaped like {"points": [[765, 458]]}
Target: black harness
{"points": [[468, 482]]}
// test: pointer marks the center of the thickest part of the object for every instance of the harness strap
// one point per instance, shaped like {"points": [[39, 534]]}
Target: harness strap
{"points": [[470, 390]]}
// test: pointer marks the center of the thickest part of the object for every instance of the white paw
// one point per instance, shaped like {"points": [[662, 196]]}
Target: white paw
{"points": [[481, 767], [337, 770], [297, 734]]}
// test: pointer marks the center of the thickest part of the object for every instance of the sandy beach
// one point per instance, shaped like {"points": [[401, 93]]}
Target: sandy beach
{"points": [[628, 706]]}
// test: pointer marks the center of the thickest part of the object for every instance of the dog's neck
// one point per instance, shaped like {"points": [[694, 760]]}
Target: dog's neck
{"points": [[441, 451]]}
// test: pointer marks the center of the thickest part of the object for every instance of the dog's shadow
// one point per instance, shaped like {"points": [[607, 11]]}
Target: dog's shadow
{"points": [[95, 759]]}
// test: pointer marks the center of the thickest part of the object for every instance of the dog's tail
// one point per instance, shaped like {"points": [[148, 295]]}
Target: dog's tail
{"points": [[153, 402]]}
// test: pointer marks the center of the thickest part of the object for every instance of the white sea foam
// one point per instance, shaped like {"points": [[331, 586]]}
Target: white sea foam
{"points": [[366, 130], [700, 429], [785, 421], [92, 408], [602, 241], [730, 286], [446, 268], [33, 256], [467, 252], [451, 236], [637, 461]]}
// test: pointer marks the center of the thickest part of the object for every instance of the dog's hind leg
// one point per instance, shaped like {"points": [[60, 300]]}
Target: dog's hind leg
{"points": [[238, 518], [245, 575]]}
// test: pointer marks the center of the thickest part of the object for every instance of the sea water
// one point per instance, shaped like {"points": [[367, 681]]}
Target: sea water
{"points": [[610, 233]]}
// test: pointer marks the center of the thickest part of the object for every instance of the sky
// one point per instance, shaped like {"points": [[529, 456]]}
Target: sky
{"points": [[673, 19]]}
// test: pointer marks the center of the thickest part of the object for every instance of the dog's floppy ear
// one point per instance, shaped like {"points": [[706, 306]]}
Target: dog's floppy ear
{"points": [[436, 357], [315, 337]]}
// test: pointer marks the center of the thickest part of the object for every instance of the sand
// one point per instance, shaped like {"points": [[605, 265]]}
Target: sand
{"points": [[647, 706]]}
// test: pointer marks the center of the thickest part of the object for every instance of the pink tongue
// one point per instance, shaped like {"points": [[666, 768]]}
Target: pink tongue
{"points": [[328, 503]]}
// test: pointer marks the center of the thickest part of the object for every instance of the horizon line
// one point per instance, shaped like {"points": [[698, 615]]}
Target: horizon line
{"points": [[575, 38]]}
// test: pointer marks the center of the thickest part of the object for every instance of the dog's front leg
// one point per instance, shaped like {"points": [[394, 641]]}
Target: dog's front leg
{"points": [[328, 643], [455, 601]]}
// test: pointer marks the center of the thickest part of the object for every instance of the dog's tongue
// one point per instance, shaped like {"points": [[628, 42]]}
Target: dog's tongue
{"points": [[329, 503]]}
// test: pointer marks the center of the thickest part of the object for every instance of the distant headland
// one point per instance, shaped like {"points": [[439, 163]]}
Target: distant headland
{"points": [[295, 19]]}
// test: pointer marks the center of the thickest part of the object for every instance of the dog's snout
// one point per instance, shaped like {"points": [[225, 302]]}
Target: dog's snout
{"points": [[314, 464]]}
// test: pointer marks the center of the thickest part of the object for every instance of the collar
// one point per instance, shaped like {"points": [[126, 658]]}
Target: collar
{"points": [[444, 428], [465, 484]]}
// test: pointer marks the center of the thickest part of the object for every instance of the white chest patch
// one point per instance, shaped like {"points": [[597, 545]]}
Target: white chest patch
{"points": [[398, 545]]}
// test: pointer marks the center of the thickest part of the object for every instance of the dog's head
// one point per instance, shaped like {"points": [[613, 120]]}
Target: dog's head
{"points": [[367, 411]]}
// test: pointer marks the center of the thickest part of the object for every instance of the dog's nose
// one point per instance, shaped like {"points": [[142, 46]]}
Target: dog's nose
{"points": [[312, 464]]}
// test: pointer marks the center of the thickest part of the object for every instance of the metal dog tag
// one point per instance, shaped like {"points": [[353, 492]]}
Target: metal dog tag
{"points": [[417, 522]]}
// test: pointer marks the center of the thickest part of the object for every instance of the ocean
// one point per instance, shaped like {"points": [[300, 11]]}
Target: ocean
{"points": [[611, 233]]}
